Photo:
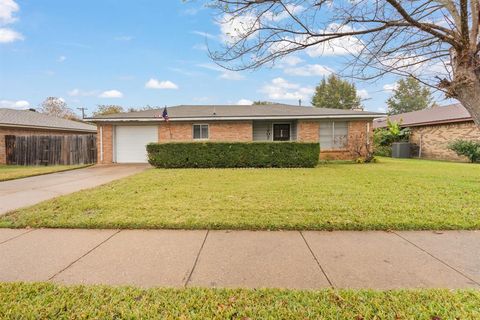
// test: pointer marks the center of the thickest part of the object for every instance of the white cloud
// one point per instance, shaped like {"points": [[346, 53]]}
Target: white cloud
{"points": [[363, 94], [289, 60], [281, 89], [20, 104], [62, 58], [244, 102], [80, 93], [235, 27], [204, 34], [283, 14], [201, 47], [7, 9], [309, 70], [156, 84], [390, 86], [335, 47], [9, 35], [111, 94], [231, 75], [224, 74]]}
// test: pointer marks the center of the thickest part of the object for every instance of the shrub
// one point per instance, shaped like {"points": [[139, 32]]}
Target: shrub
{"points": [[469, 149], [384, 137], [233, 154]]}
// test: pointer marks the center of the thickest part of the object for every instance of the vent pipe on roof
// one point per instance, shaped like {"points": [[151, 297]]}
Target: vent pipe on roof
{"points": [[299, 102]]}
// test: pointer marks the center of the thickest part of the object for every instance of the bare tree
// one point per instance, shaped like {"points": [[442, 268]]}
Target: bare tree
{"points": [[434, 41], [58, 108]]}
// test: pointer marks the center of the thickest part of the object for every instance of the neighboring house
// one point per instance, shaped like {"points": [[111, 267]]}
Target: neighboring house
{"points": [[122, 137], [434, 128], [31, 123]]}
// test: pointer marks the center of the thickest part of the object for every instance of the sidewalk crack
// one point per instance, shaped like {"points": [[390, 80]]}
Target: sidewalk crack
{"points": [[17, 236], [316, 260], [85, 254], [196, 260], [436, 258]]}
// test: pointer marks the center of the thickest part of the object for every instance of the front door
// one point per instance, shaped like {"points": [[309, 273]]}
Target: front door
{"points": [[281, 132]]}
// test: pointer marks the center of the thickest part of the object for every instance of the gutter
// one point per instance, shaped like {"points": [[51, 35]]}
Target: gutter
{"points": [[46, 128], [346, 116], [428, 123]]}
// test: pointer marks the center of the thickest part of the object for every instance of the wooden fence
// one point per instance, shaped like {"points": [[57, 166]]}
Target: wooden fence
{"points": [[51, 150]]}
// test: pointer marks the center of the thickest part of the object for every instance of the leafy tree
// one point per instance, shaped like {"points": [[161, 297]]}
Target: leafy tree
{"points": [[262, 103], [437, 41], [410, 95], [105, 109], [336, 93], [58, 108]]}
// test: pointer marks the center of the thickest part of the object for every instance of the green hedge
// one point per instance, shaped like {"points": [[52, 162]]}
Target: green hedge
{"points": [[233, 154]]}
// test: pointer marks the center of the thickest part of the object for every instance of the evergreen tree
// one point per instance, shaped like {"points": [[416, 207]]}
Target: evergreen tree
{"points": [[409, 95], [336, 93]]}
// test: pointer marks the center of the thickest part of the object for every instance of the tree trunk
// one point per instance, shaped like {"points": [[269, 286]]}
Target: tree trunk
{"points": [[469, 94], [465, 86]]}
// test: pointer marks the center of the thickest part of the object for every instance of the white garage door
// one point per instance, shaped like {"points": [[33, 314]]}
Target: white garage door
{"points": [[130, 142]]}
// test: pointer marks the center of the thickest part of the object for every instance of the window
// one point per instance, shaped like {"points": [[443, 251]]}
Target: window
{"points": [[281, 132], [333, 135], [200, 131]]}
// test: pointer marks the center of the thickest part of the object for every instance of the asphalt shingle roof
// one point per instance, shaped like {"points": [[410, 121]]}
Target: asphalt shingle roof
{"points": [[27, 118], [237, 111], [438, 114]]}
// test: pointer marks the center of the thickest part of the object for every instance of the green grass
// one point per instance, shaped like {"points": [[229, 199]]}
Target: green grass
{"points": [[48, 301], [391, 194], [10, 172]]}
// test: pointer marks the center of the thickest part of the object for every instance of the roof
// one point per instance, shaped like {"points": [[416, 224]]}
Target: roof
{"points": [[236, 112], [32, 119], [435, 115]]}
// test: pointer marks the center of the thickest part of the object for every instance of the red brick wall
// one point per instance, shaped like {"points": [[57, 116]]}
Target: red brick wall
{"points": [[435, 139], [218, 131], [6, 131], [107, 136], [308, 130]]}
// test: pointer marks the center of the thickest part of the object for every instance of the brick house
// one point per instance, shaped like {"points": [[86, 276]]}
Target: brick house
{"points": [[434, 128], [31, 123], [122, 137]]}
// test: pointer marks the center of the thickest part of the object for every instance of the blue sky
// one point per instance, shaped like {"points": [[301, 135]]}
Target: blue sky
{"points": [[136, 53]]}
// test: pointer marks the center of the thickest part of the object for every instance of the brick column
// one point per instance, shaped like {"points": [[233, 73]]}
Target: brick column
{"points": [[104, 143]]}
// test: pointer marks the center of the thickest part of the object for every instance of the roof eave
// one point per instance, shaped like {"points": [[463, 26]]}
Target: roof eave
{"points": [[156, 119], [46, 128]]}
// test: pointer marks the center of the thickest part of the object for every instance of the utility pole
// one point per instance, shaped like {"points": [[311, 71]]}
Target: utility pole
{"points": [[83, 111]]}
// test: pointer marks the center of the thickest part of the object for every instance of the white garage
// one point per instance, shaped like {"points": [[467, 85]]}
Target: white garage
{"points": [[131, 141]]}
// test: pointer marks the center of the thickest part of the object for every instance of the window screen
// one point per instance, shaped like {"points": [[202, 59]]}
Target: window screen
{"points": [[333, 135], [200, 131]]}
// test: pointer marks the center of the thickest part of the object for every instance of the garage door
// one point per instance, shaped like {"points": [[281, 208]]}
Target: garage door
{"points": [[130, 142]]}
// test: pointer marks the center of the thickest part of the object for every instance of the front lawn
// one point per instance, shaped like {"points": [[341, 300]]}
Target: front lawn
{"points": [[48, 301], [10, 172], [392, 194]]}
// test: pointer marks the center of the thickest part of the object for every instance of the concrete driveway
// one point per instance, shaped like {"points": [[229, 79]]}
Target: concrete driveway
{"points": [[15, 194]]}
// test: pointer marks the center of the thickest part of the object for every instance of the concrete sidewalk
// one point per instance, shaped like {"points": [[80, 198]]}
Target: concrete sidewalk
{"points": [[15, 194], [253, 259]]}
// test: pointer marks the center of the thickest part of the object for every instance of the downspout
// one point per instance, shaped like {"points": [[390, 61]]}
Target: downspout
{"points": [[101, 144]]}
